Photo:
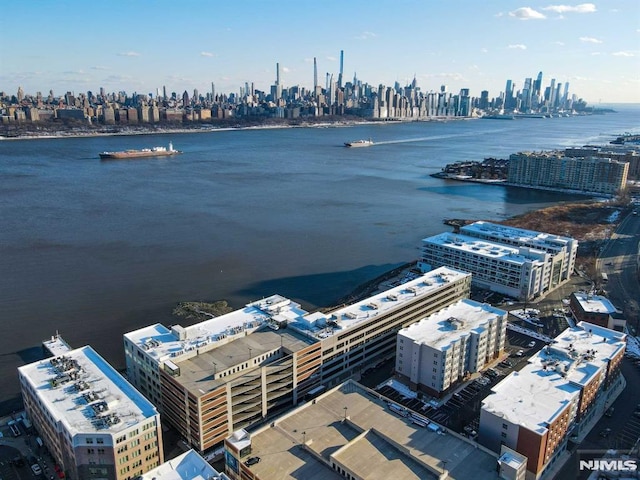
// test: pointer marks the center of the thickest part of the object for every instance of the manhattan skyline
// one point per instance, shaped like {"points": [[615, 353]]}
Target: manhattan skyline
{"points": [[136, 46]]}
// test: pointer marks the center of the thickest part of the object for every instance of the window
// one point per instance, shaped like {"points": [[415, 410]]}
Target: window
{"points": [[503, 434], [505, 426], [100, 440]]}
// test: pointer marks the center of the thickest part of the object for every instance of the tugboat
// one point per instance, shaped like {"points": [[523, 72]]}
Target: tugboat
{"points": [[359, 143], [145, 152]]}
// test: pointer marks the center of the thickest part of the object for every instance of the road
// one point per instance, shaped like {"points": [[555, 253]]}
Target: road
{"points": [[618, 260]]}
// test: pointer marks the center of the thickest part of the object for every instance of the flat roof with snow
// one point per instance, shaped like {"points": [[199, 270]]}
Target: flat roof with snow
{"points": [[162, 343], [535, 395], [517, 235], [486, 248], [451, 323], [340, 320], [594, 303], [85, 393]]}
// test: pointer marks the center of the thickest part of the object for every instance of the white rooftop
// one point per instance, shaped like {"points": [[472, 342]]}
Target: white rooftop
{"points": [[451, 323], [486, 248], [85, 393], [514, 234], [342, 319], [56, 345], [555, 376], [162, 343], [188, 466], [594, 303]]}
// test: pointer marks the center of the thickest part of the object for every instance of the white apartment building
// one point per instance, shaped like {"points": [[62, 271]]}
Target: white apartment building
{"points": [[233, 371], [94, 423], [533, 411], [554, 170], [517, 271], [562, 250], [437, 352]]}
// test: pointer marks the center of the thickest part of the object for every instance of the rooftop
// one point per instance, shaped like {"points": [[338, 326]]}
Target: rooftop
{"points": [[535, 395], [162, 343], [56, 345], [355, 427], [338, 321], [85, 393], [518, 235], [188, 466], [208, 370], [486, 248], [451, 323], [594, 303]]}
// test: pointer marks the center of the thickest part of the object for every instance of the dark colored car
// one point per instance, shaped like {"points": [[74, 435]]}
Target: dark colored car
{"points": [[252, 461]]}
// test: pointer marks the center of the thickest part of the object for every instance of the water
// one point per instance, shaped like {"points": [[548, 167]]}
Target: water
{"points": [[94, 249]]}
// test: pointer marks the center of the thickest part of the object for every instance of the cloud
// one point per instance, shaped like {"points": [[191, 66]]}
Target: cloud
{"points": [[332, 59], [623, 54], [448, 76], [99, 67], [484, 50], [366, 36], [518, 46], [286, 69], [559, 43], [527, 13], [128, 54], [582, 8], [207, 54], [590, 40]]}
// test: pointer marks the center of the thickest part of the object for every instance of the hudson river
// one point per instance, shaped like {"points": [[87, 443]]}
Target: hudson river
{"points": [[93, 249]]}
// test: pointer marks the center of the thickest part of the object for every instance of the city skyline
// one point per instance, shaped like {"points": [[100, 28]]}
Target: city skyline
{"points": [[135, 47]]}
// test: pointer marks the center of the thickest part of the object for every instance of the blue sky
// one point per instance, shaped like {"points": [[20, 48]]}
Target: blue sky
{"points": [[142, 45]]}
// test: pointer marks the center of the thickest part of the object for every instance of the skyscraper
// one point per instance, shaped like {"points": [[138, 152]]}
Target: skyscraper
{"points": [[341, 68]]}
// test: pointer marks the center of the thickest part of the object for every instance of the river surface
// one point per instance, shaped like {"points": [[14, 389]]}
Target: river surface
{"points": [[93, 249]]}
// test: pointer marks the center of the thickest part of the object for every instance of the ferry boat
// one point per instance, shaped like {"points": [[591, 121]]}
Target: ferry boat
{"points": [[359, 143], [145, 152]]}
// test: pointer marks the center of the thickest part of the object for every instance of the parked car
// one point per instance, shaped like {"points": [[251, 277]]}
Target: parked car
{"points": [[35, 468], [605, 433], [519, 353], [531, 344], [609, 412], [252, 461]]}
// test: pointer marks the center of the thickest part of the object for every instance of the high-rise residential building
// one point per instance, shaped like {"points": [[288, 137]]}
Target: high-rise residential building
{"points": [[564, 386], [238, 369], [562, 250], [436, 353], [92, 421], [556, 171]]}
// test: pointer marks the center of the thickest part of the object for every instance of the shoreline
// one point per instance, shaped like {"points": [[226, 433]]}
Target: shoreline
{"points": [[166, 129]]}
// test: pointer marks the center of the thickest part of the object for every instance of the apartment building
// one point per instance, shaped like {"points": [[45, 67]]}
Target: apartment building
{"points": [[535, 410], [562, 250], [436, 353], [234, 371], [187, 466], [94, 423], [555, 170], [517, 271]]}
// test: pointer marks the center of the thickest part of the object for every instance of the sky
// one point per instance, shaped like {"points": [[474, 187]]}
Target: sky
{"points": [[141, 46]]}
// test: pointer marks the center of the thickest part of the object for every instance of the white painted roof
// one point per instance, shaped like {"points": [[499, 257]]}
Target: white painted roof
{"points": [[188, 466], [485, 248], [95, 399], [514, 234], [451, 323]]}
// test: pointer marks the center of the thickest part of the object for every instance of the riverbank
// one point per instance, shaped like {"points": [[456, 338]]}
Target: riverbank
{"points": [[54, 131]]}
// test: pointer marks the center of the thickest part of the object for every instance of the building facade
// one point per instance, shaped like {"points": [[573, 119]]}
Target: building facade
{"points": [[234, 371], [596, 309], [562, 250], [436, 353], [555, 170], [563, 387], [92, 421], [517, 271]]}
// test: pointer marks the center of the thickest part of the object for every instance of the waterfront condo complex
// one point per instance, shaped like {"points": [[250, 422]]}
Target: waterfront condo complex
{"points": [[563, 388], [234, 371], [92, 421], [516, 262], [435, 354]]}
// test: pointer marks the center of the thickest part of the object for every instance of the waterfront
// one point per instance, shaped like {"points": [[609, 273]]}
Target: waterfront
{"points": [[93, 249]]}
